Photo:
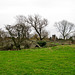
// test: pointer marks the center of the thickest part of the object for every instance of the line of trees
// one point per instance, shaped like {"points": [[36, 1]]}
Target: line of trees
{"points": [[21, 30], [23, 27]]}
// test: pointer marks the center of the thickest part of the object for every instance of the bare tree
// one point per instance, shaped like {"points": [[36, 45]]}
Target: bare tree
{"points": [[38, 24], [19, 32], [65, 28]]}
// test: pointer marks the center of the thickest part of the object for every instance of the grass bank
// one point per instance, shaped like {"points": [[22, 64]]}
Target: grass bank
{"points": [[59, 60]]}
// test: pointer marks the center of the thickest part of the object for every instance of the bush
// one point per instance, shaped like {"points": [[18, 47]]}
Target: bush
{"points": [[41, 43], [27, 45], [7, 47]]}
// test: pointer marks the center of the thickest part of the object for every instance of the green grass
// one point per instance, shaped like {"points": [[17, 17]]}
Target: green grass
{"points": [[59, 60]]}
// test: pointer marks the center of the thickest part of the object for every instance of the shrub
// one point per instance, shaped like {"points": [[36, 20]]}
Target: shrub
{"points": [[7, 47], [27, 45], [41, 43]]}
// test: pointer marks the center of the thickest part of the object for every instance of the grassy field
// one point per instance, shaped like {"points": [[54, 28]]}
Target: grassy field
{"points": [[59, 60]]}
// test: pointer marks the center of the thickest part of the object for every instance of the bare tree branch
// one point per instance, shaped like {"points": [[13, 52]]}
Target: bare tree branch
{"points": [[65, 28], [38, 24]]}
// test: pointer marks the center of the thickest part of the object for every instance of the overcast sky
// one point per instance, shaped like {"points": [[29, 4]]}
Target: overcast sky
{"points": [[53, 10]]}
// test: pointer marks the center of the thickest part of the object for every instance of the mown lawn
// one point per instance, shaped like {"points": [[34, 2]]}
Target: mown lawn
{"points": [[59, 60]]}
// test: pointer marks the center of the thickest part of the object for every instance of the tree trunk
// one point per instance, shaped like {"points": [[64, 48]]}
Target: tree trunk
{"points": [[18, 47], [64, 37], [40, 37]]}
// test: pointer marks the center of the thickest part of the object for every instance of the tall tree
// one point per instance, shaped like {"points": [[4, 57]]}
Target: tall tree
{"points": [[38, 24], [19, 32], [65, 28]]}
